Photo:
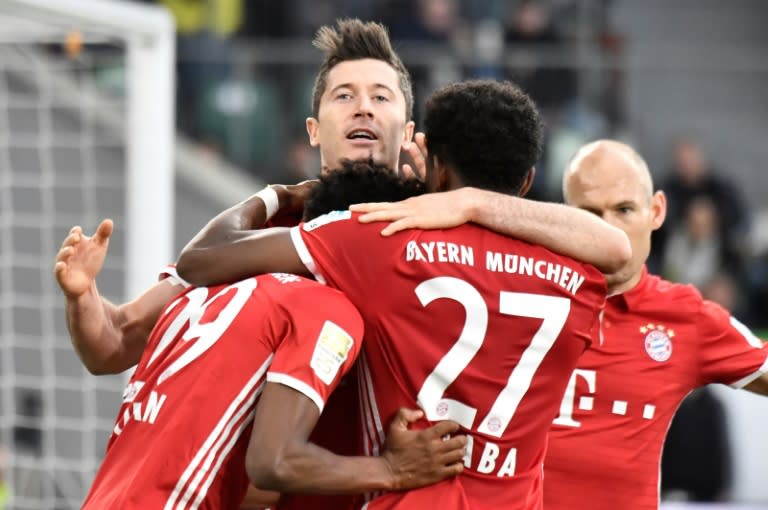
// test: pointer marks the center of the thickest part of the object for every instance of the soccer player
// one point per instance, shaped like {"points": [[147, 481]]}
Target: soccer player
{"points": [[367, 100], [662, 340], [467, 324], [182, 431], [362, 104]]}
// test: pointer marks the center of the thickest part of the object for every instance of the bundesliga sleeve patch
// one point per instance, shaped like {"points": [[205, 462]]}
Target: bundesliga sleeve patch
{"points": [[331, 350], [325, 219]]}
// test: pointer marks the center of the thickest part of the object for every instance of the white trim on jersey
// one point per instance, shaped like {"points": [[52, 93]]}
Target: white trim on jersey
{"points": [[746, 333], [751, 377], [373, 431], [362, 399], [224, 453], [243, 403], [169, 273], [298, 385], [755, 342], [304, 255], [218, 452]]}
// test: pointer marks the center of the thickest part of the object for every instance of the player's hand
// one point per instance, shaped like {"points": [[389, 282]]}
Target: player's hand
{"points": [[80, 259], [429, 211], [417, 151], [422, 457], [292, 197]]}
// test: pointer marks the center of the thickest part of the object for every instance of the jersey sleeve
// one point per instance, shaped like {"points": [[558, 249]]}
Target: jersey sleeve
{"points": [[730, 353], [333, 246], [321, 345], [169, 273]]}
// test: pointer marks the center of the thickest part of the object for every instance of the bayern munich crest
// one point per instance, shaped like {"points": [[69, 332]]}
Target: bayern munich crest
{"points": [[658, 341]]}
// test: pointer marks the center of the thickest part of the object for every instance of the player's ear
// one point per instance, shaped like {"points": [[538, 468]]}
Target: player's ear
{"points": [[313, 130], [527, 183], [658, 209], [410, 127]]}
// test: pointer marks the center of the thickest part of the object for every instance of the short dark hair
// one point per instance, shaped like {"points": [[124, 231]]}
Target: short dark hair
{"points": [[355, 182], [490, 133], [353, 39]]}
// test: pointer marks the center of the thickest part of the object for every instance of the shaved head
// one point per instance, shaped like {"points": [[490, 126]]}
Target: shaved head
{"points": [[611, 180], [608, 152]]}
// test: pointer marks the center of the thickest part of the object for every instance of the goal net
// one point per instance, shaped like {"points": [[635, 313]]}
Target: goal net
{"points": [[86, 132]]}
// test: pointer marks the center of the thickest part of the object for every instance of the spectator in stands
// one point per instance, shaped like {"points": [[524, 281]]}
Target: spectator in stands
{"points": [[530, 24], [694, 252], [696, 462], [530, 33], [728, 291], [692, 176], [430, 25], [430, 21], [204, 29]]}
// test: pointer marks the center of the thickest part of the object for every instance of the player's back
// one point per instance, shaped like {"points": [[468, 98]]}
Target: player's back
{"points": [[470, 326], [181, 434]]}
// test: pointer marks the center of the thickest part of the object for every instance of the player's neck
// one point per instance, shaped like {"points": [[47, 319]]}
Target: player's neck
{"points": [[625, 286]]}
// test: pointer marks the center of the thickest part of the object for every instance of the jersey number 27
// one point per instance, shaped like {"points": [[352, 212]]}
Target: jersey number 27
{"points": [[552, 309]]}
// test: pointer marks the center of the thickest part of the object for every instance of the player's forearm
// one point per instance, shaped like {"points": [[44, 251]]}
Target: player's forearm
{"points": [[314, 470], [759, 385], [255, 252], [91, 322], [227, 237], [229, 225], [561, 228], [109, 338]]}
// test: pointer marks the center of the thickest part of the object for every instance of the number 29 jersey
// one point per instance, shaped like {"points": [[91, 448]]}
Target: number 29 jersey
{"points": [[182, 430], [468, 325]]}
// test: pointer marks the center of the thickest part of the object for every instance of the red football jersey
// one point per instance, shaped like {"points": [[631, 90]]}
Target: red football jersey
{"points": [[662, 340], [468, 325], [182, 431], [337, 430]]}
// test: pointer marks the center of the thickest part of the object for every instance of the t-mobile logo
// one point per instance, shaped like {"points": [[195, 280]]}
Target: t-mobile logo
{"points": [[586, 402]]}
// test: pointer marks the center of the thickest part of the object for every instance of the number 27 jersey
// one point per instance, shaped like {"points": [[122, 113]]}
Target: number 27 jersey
{"points": [[468, 325]]}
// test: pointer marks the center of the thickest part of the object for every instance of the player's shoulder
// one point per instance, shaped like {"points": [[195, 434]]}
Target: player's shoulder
{"points": [[333, 218], [664, 293], [683, 299], [288, 283], [293, 287]]}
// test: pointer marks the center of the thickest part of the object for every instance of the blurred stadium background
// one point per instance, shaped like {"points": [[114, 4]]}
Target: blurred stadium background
{"points": [[86, 132]]}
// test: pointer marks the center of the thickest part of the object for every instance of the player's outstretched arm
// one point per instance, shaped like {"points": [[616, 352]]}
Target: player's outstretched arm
{"points": [[108, 338], [759, 385], [281, 458], [233, 245], [563, 229]]}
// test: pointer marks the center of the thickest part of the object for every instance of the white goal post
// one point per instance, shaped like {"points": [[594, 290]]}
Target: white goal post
{"points": [[87, 100], [149, 34]]}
